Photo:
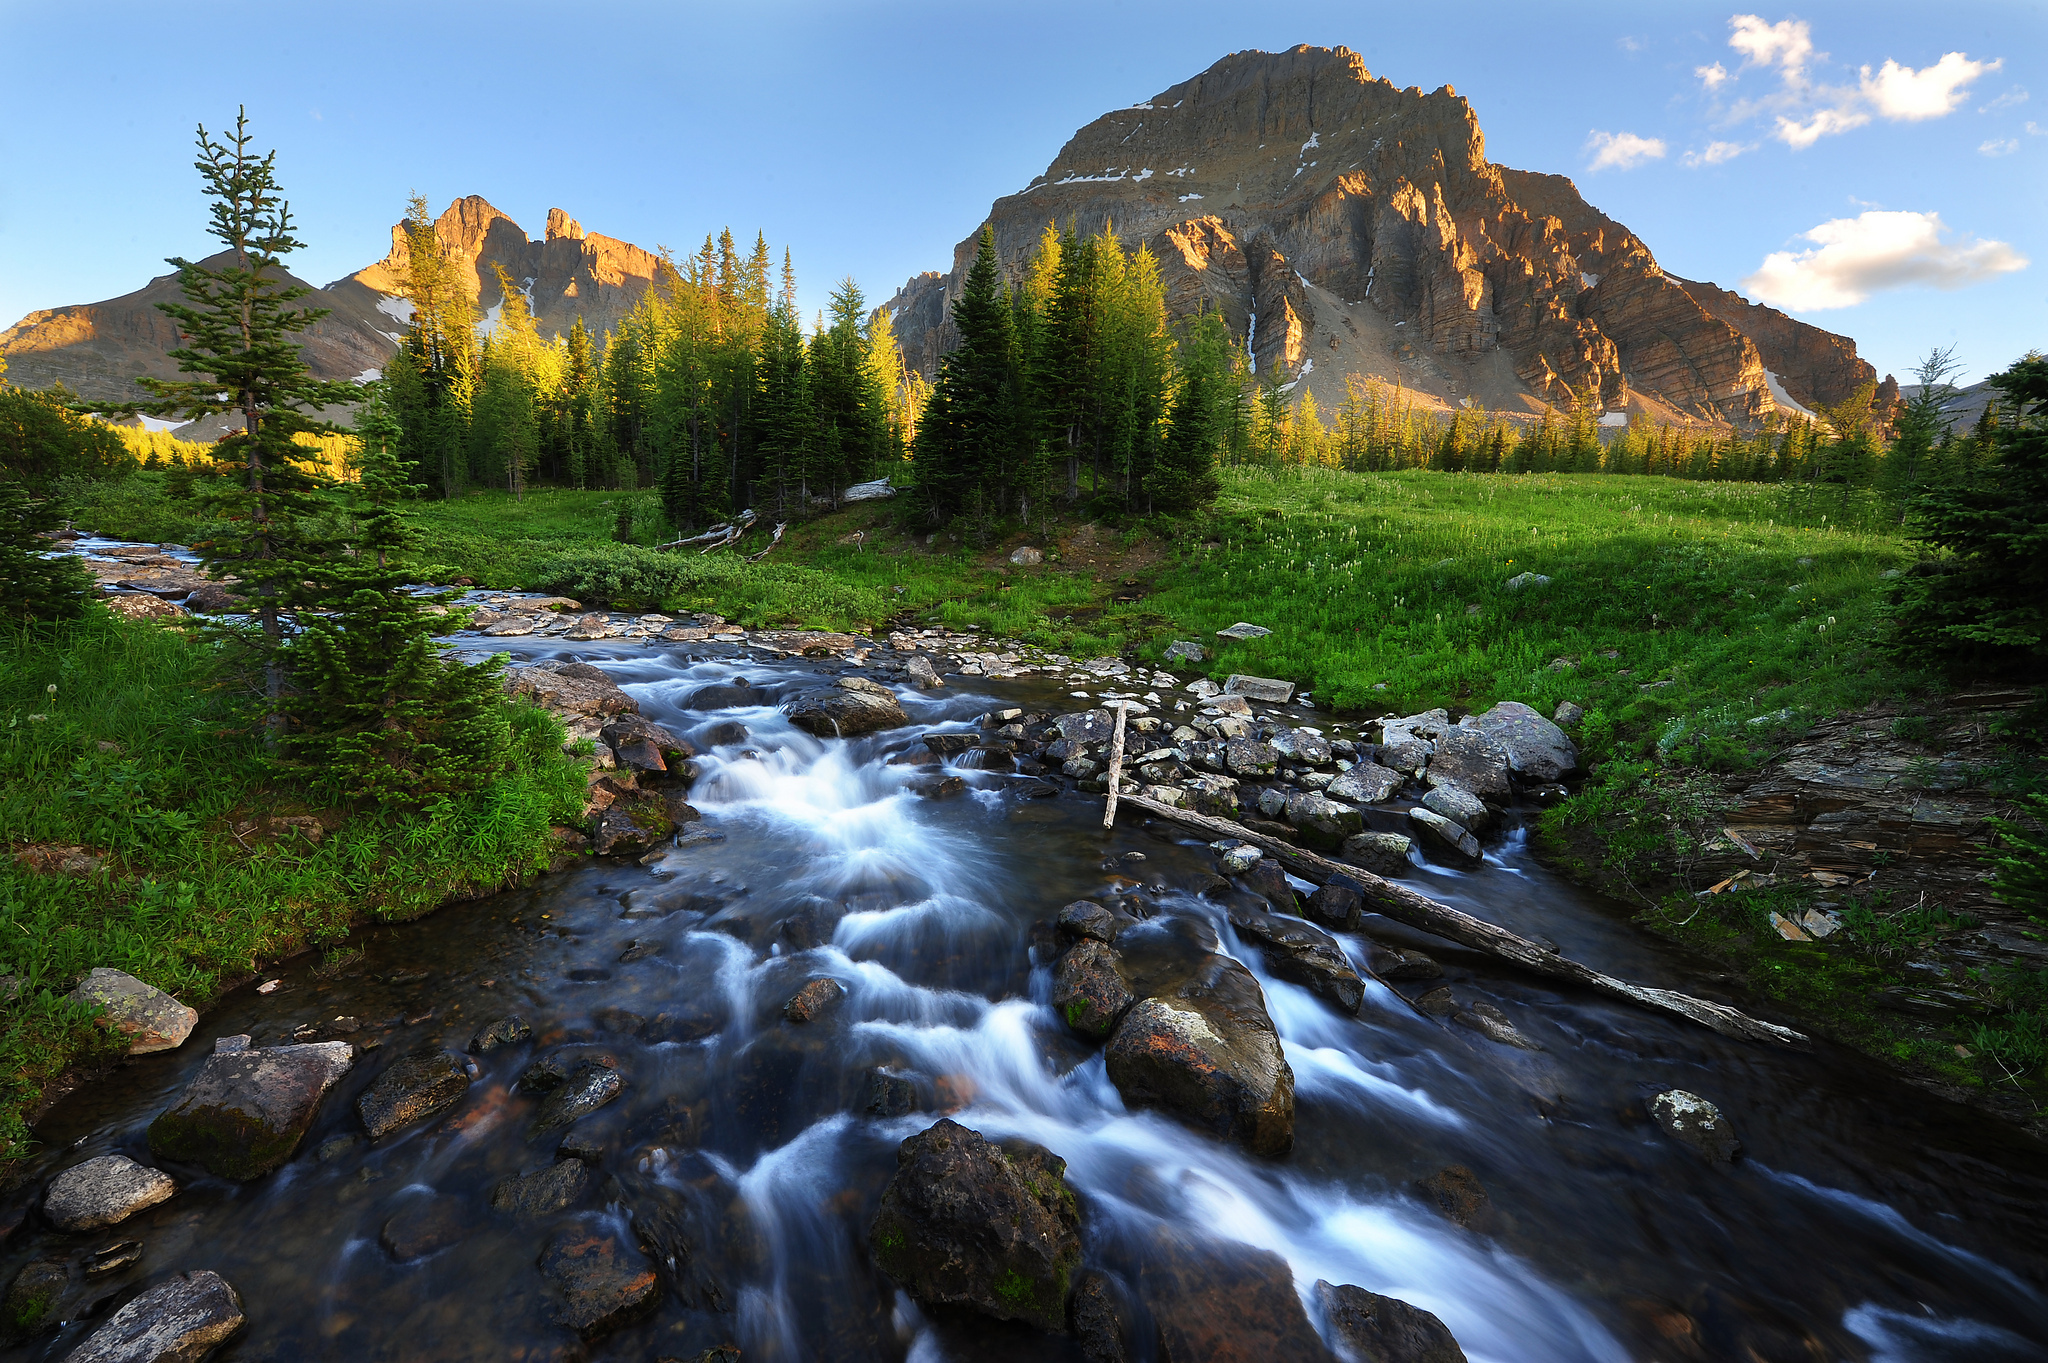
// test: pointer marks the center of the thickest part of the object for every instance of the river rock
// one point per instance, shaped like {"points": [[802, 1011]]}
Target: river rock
{"points": [[1322, 822], [1494, 1025], [1456, 1192], [1268, 880], [181, 1320], [1305, 955], [544, 1193], [1268, 689], [1537, 750], [968, 1223], [1368, 783], [1235, 861], [1472, 760], [103, 1191], [424, 1225], [1086, 726], [213, 598], [151, 1019], [506, 1031], [34, 1300], [1087, 992], [921, 673], [814, 999], [1208, 1054], [1459, 805], [1376, 1329], [1220, 1302], [554, 687], [737, 694], [1213, 795], [1384, 854], [639, 744], [1398, 963], [1444, 834], [1249, 757], [1405, 753], [412, 1089], [604, 1283], [633, 824], [1086, 918], [587, 1088], [1698, 1123], [1102, 1319], [245, 1112], [1300, 745], [853, 706], [1339, 904], [888, 1095]]}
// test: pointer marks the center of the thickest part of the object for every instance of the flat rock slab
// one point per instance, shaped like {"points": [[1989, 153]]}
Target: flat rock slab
{"points": [[151, 1019], [1208, 1054], [968, 1223], [604, 1284], [1385, 1329], [1269, 689], [246, 1111], [181, 1320], [413, 1089], [569, 693], [104, 1191]]}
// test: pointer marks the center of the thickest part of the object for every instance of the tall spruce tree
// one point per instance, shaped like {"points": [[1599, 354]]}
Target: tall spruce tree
{"points": [[33, 586], [1185, 477], [971, 419], [236, 329], [380, 713]]}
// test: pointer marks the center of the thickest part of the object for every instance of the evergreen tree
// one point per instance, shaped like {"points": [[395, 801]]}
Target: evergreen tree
{"points": [[971, 420], [32, 586], [381, 712], [1922, 422], [432, 402], [236, 327], [1185, 478], [44, 438], [1980, 608]]}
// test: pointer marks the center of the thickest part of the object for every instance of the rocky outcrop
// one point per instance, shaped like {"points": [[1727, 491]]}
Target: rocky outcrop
{"points": [[1329, 216], [246, 1111], [968, 1223]]}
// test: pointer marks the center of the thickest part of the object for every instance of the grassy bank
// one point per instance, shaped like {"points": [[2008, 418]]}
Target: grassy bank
{"points": [[146, 833]]}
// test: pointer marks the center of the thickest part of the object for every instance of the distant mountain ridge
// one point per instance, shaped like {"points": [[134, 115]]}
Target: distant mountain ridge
{"points": [[1344, 226], [98, 349]]}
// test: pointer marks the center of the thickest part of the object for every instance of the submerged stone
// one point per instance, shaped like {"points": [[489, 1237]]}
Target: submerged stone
{"points": [[246, 1111]]}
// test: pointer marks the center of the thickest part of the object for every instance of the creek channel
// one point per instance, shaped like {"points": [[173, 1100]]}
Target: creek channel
{"points": [[1866, 1220]]}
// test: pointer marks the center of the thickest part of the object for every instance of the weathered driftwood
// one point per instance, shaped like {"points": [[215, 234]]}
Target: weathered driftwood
{"points": [[717, 537], [1116, 765], [773, 540], [1404, 905]]}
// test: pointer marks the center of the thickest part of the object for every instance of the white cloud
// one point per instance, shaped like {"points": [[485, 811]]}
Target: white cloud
{"points": [[1711, 76], [1631, 44], [1904, 95], [1622, 151], [1786, 45], [2036, 130], [1853, 258], [1825, 122], [2011, 99], [1998, 146], [1718, 152]]}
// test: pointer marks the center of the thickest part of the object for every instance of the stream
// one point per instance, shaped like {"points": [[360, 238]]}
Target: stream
{"points": [[1867, 1220]]}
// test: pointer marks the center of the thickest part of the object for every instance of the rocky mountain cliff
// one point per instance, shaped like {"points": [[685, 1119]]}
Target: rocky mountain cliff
{"points": [[1344, 226], [98, 349]]}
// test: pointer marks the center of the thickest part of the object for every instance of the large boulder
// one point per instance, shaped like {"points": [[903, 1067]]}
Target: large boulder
{"points": [[151, 1019], [639, 744], [1220, 1302], [1322, 822], [246, 1111], [737, 694], [1460, 806], [1384, 854], [603, 1283], [851, 707], [1302, 954], [181, 1320], [1086, 726], [1303, 747], [968, 1223], [555, 687], [1208, 1054], [1445, 835], [1249, 757], [103, 1191], [1471, 759], [1377, 1329], [1537, 750], [1368, 783], [1087, 991], [414, 1088]]}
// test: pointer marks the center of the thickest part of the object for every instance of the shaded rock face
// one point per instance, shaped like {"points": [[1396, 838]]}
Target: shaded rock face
{"points": [[424, 1225], [1698, 1123], [245, 1112], [853, 707], [178, 1321], [413, 1089], [1208, 1054], [151, 1019], [639, 744], [1377, 1329], [1368, 783], [588, 1087], [1296, 188], [1217, 1302], [1384, 854], [530, 1196], [103, 1191], [632, 824], [1087, 992], [1536, 749], [603, 1284], [1303, 955], [1444, 835], [968, 1223]]}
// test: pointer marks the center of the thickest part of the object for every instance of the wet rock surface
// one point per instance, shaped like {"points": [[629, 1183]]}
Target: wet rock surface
{"points": [[544, 1192], [1218, 1302], [246, 1111], [1535, 748], [1208, 1054], [1087, 992], [427, 1224], [853, 707], [604, 1283], [1377, 1329], [104, 1191], [1698, 1123], [151, 1019], [967, 1223], [415, 1087], [1303, 955], [181, 1320], [587, 1087]]}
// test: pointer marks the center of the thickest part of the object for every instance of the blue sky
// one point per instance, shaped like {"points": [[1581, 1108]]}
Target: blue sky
{"points": [[1841, 161]]}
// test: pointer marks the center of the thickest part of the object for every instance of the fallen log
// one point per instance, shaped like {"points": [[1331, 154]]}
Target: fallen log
{"points": [[773, 540], [1404, 905]]}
